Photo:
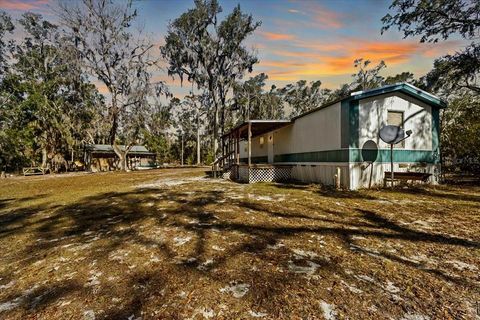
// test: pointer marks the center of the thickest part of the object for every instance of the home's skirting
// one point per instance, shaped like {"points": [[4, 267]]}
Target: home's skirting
{"points": [[349, 175], [262, 173]]}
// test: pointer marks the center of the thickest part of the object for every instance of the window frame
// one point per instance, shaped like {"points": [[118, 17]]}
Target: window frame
{"points": [[400, 145]]}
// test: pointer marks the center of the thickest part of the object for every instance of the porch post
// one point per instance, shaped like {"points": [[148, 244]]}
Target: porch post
{"points": [[237, 144], [230, 150], [223, 153], [249, 144]]}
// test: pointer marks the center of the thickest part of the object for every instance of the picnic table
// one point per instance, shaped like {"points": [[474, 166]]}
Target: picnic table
{"points": [[30, 171]]}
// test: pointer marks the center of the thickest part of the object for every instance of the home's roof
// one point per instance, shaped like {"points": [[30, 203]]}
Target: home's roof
{"points": [[403, 87], [106, 148], [259, 127]]}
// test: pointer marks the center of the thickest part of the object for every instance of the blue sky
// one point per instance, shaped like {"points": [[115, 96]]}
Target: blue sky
{"points": [[311, 40]]}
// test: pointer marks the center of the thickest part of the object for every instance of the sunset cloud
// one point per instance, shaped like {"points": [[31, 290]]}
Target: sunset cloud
{"points": [[22, 4], [101, 87], [273, 36], [435, 50], [326, 18], [319, 15], [335, 59]]}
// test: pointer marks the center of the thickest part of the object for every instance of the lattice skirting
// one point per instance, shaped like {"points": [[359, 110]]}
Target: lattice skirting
{"points": [[264, 174]]}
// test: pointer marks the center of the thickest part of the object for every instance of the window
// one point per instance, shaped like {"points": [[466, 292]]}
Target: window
{"points": [[262, 141], [395, 118]]}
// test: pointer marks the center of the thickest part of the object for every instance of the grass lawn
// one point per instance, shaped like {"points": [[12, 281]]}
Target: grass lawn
{"points": [[171, 244]]}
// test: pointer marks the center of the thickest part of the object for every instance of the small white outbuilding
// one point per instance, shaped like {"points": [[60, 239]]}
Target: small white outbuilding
{"points": [[339, 143]]}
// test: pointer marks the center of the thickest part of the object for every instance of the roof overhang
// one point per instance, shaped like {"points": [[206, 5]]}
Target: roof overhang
{"points": [[258, 128], [405, 88]]}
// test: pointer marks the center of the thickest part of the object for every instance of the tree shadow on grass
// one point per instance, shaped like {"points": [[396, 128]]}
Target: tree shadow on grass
{"points": [[435, 193], [314, 214], [33, 300], [5, 203], [118, 217], [415, 235], [324, 191], [438, 273]]}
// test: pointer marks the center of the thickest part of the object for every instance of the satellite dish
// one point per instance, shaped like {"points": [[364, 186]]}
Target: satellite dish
{"points": [[369, 151], [392, 134]]}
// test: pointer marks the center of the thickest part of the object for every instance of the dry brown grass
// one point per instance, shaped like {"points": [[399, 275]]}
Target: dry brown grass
{"points": [[170, 244]]}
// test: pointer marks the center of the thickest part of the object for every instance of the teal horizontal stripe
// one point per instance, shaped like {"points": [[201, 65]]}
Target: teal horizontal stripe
{"points": [[399, 155], [262, 159], [355, 155], [317, 156]]}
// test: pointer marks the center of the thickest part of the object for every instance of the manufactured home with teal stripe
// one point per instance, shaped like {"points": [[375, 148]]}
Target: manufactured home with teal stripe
{"points": [[339, 143]]}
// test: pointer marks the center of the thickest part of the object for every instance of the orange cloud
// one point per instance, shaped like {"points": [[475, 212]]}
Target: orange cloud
{"points": [[320, 16], [281, 64], [302, 54], [320, 46], [335, 59], [283, 75], [326, 18], [277, 36], [101, 87], [22, 4], [434, 50]]}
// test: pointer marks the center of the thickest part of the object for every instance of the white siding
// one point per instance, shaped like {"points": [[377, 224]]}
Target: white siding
{"points": [[257, 149], [416, 114], [316, 131]]}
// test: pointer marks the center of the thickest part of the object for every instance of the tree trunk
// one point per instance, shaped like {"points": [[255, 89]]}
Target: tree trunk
{"points": [[442, 159], [122, 156], [215, 133], [44, 157], [222, 119], [127, 167], [182, 151], [198, 140]]}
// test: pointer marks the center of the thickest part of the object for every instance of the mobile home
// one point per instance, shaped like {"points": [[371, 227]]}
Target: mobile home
{"points": [[339, 143]]}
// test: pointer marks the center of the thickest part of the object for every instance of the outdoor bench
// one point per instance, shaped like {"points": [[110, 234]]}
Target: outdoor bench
{"points": [[406, 176]]}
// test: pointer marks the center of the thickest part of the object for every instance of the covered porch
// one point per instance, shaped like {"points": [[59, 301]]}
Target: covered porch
{"points": [[252, 167]]}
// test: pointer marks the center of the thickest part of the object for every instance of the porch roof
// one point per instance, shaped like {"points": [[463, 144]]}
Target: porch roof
{"points": [[258, 127], [108, 149]]}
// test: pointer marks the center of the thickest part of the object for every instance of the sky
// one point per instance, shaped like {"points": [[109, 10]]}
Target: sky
{"points": [[298, 39]]}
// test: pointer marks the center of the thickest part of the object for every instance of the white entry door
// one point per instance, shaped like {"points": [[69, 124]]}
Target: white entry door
{"points": [[270, 148]]}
